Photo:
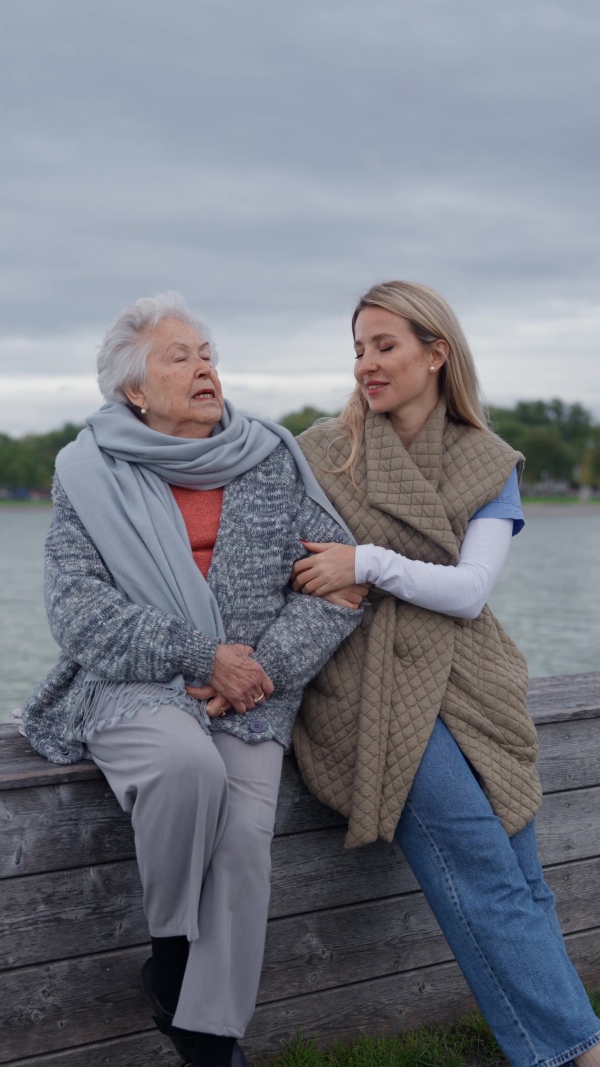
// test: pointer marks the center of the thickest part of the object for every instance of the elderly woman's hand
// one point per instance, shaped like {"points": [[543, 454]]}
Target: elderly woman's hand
{"points": [[236, 678], [330, 568]]}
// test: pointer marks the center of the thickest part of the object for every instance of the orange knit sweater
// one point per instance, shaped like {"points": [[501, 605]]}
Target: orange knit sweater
{"points": [[201, 510]]}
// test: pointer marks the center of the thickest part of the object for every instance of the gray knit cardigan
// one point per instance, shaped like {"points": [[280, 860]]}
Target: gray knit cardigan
{"points": [[265, 513]]}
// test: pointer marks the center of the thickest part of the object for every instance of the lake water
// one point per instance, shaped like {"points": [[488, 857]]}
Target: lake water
{"points": [[548, 597]]}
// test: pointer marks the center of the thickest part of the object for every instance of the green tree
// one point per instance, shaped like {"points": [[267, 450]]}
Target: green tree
{"points": [[298, 421], [546, 454], [554, 437], [28, 462]]}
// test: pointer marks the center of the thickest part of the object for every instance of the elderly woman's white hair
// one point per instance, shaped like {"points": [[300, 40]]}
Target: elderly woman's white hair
{"points": [[123, 352]]}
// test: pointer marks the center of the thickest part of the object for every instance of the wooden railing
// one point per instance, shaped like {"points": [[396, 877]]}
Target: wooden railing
{"points": [[351, 946]]}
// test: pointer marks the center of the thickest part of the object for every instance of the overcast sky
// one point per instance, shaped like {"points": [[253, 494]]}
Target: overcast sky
{"points": [[272, 160]]}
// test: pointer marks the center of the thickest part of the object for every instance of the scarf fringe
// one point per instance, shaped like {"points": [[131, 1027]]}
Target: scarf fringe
{"points": [[124, 700]]}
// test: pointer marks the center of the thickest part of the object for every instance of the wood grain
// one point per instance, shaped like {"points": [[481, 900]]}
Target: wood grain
{"points": [[61, 826], [564, 697], [67, 1004], [20, 765], [568, 826], [569, 755], [45, 918], [383, 1006], [147, 1049], [574, 696], [59, 1005]]}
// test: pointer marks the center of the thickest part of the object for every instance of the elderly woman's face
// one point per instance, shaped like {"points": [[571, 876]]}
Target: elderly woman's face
{"points": [[182, 393]]}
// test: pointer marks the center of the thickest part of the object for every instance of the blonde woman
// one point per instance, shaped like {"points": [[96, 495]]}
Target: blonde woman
{"points": [[417, 728]]}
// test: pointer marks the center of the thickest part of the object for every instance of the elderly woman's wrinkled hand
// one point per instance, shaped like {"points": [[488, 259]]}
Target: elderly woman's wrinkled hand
{"points": [[237, 680], [329, 569]]}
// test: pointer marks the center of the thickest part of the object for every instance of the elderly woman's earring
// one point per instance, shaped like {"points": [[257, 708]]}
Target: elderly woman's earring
{"points": [[143, 411]]}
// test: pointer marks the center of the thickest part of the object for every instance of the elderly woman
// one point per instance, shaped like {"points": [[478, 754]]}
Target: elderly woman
{"points": [[184, 651]]}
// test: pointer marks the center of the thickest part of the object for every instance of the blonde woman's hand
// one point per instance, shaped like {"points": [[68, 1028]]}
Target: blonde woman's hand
{"points": [[329, 569], [349, 597]]}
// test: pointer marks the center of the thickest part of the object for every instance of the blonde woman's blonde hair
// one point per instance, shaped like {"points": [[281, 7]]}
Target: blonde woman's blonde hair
{"points": [[430, 319]]}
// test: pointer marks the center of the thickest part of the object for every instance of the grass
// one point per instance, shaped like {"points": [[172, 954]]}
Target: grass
{"points": [[557, 500], [467, 1043]]}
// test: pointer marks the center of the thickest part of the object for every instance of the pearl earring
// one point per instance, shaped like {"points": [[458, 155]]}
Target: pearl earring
{"points": [[432, 368], [143, 411]]}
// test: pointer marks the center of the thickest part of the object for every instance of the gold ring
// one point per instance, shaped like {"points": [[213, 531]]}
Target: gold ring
{"points": [[259, 699]]}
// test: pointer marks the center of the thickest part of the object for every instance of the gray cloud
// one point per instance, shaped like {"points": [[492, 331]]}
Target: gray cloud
{"points": [[275, 157]]}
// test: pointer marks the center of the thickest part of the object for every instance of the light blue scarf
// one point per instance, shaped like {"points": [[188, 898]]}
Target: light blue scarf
{"points": [[116, 476]]}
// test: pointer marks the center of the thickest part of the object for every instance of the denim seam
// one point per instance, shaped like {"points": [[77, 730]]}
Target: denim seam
{"points": [[457, 903], [577, 1050]]}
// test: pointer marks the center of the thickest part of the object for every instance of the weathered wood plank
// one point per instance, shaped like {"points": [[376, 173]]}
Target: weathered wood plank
{"points": [[67, 1004], [566, 696], [149, 1049], [575, 886], [60, 1005], [58, 914], [331, 948], [21, 767], [568, 826], [310, 871], [569, 756], [77, 824], [575, 696], [386, 1005], [297, 810], [58, 827], [61, 826], [71, 913]]}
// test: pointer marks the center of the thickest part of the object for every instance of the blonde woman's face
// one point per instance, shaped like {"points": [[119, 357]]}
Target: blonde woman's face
{"points": [[392, 367]]}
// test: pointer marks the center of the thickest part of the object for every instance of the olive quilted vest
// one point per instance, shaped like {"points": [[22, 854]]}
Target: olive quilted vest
{"points": [[367, 717]]}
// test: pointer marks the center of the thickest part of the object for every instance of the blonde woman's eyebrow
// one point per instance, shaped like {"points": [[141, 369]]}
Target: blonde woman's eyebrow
{"points": [[376, 338]]}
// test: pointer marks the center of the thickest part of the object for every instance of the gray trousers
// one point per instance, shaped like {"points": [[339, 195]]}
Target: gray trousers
{"points": [[202, 809]]}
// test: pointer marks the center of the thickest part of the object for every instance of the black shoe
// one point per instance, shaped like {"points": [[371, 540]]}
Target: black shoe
{"points": [[238, 1058], [182, 1042]]}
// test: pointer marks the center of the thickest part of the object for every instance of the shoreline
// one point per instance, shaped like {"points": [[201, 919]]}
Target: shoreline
{"points": [[553, 510], [530, 507]]}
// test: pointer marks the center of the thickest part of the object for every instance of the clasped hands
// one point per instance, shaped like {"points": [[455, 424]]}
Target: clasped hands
{"points": [[238, 681]]}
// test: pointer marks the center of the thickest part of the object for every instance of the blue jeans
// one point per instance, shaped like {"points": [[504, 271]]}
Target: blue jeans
{"points": [[488, 894]]}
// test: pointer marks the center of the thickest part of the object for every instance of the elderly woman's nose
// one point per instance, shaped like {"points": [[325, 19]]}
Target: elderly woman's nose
{"points": [[204, 368]]}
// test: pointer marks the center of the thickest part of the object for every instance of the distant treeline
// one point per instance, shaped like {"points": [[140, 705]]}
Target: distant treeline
{"points": [[560, 441], [27, 463]]}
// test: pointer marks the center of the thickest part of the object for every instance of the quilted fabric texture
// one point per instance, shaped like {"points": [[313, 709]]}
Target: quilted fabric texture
{"points": [[367, 717]]}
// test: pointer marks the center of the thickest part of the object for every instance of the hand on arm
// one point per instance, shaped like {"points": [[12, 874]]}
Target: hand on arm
{"points": [[329, 569]]}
